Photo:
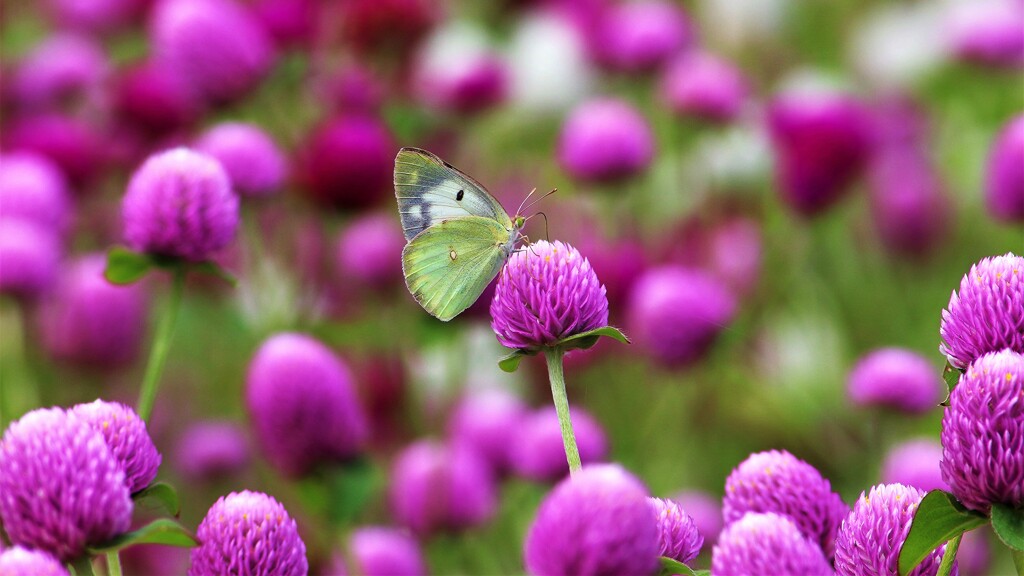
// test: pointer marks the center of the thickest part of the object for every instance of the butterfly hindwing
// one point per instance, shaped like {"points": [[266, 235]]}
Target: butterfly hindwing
{"points": [[429, 190], [448, 265]]}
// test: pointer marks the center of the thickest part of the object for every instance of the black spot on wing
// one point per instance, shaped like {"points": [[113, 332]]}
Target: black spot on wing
{"points": [[460, 195]]}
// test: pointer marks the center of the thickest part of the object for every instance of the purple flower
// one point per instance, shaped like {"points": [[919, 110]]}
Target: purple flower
{"points": [[94, 16], [546, 294], [595, 522], [822, 140], [536, 450], [604, 140], [253, 161], [704, 86], [390, 28], [347, 163], [248, 533], [382, 550], [1004, 182], [617, 262], [74, 145], [678, 538], [29, 258], [489, 422], [675, 314], [987, 32], [303, 405], [368, 249], [988, 313], [212, 449], [33, 188], [126, 436], [705, 510], [289, 22], [153, 97], [217, 45], [909, 209], [458, 71], [869, 541], [983, 433], [179, 203], [88, 321], [641, 36], [62, 69], [767, 543], [776, 481], [20, 561], [914, 463], [441, 487], [895, 378], [61, 487]]}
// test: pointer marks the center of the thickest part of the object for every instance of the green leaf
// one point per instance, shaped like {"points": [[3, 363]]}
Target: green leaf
{"points": [[1008, 524], [938, 518], [125, 266], [214, 269], [585, 340], [670, 566], [159, 495], [952, 377], [511, 362], [161, 531]]}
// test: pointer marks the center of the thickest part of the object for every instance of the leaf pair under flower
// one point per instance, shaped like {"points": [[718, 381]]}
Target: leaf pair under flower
{"points": [[580, 341], [126, 266]]}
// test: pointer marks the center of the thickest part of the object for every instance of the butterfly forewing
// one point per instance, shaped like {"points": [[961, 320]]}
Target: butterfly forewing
{"points": [[429, 190]]}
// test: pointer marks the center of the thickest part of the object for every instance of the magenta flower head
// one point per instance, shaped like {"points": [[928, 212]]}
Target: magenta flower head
{"points": [[678, 538], [290, 23], [61, 487], [73, 144], [211, 450], [605, 140], [546, 294], [94, 16], [704, 86], [595, 522], [987, 33], [914, 463], [767, 543], [88, 321], [347, 163], [33, 188], [870, 538], [641, 36], [822, 140], [126, 436], [368, 249], [776, 481], [29, 258], [63, 69], [705, 510], [895, 378], [676, 314], [248, 533], [217, 45], [253, 161], [383, 550], [489, 422], [536, 450], [152, 97], [457, 71], [441, 487], [983, 433], [180, 204], [909, 208], [987, 314], [20, 561], [303, 405], [1004, 183]]}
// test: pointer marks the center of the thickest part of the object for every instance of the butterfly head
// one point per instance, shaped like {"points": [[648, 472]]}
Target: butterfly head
{"points": [[518, 222]]}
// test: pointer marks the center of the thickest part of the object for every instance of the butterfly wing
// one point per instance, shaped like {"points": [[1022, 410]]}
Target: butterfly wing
{"points": [[448, 265], [430, 190]]}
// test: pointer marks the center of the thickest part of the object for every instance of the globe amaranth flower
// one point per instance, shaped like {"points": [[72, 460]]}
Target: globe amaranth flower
{"points": [[605, 140], [126, 436], [441, 487], [640, 36], [384, 550], [457, 70], [19, 561], [987, 314], [153, 99], [211, 449], [914, 463], [705, 510], [868, 542], [987, 33], [676, 314], [1004, 180], [702, 85], [95, 16], [88, 321], [61, 487], [31, 258], [368, 249], [179, 203], [678, 538], [290, 23], [32, 188], [251, 158], [767, 543], [303, 405], [597, 521], [536, 450], [776, 481], [248, 533], [895, 378], [74, 144], [545, 294], [64, 68], [983, 433], [909, 208], [489, 422]]}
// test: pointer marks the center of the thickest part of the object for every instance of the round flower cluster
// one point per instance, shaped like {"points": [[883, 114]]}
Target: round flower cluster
{"points": [[987, 314]]}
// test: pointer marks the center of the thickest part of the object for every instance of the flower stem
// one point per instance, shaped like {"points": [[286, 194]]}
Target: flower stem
{"points": [[946, 566], [572, 453], [162, 342], [1018, 561], [82, 566], [113, 563]]}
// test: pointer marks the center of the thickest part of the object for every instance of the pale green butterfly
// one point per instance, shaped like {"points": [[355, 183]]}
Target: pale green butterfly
{"points": [[458, 235]]}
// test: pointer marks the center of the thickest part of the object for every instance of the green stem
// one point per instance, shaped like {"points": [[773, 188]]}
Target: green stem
{"points": [[572, 453], [162, 342], [113, 563], [82, 566], [946, 566], [1018, 561]]}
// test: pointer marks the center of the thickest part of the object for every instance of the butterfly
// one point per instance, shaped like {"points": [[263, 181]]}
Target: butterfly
{"points": [[458, 235]]}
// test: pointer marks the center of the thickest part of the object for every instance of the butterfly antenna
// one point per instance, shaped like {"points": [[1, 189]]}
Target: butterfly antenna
{"points": [[520, 209], [553, 190]]}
